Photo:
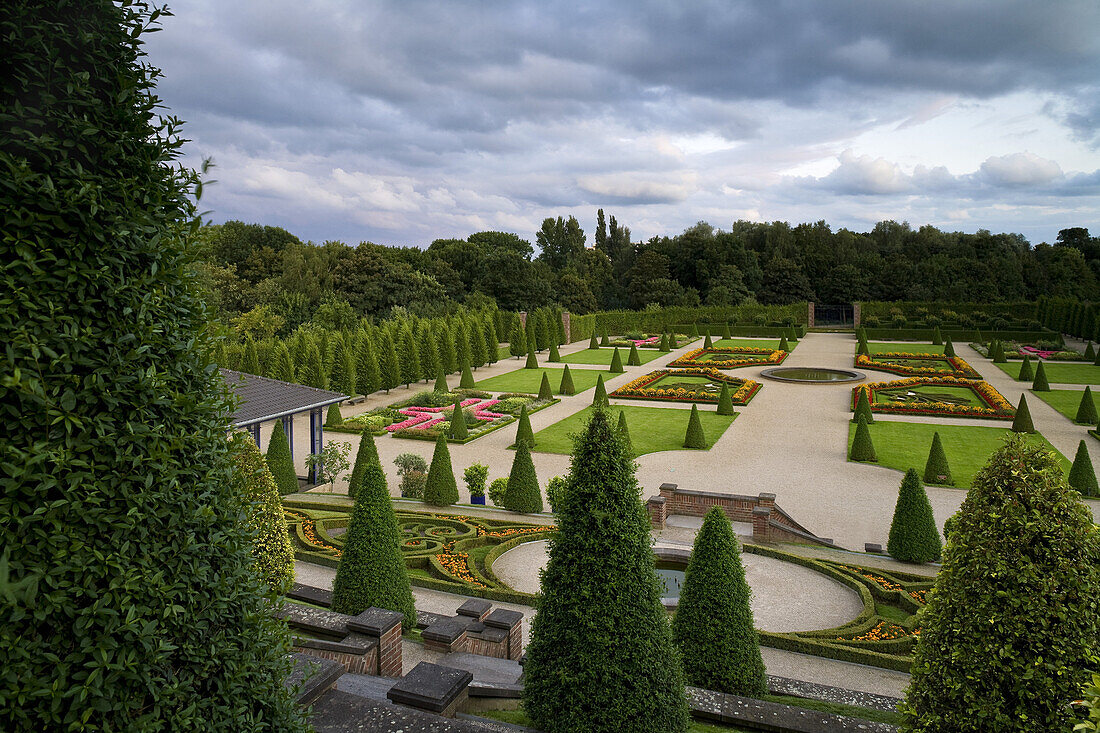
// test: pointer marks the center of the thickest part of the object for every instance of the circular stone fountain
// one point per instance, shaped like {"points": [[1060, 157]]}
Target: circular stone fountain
{"points": [[813, 375], [785, 597]]}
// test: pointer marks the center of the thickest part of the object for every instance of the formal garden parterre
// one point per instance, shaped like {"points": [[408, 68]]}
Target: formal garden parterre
{"points": [[937, 396], [688, 385], [730, 357], [910, 364]]}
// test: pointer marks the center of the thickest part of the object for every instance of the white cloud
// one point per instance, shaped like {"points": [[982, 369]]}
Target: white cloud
{"points": [[1020, 169]]}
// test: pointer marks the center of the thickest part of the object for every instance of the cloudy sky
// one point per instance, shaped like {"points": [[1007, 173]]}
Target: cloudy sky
{"points": [[401, 122]]}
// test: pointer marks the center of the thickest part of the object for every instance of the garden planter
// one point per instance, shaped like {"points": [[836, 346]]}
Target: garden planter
{"points": [[477, 500]]}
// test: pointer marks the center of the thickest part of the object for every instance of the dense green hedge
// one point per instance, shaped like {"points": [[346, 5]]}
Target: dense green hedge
{"points": [[1025, 310], [959, 334], [651, 321]]}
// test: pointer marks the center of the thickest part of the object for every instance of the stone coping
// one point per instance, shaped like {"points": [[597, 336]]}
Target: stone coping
{"points": [[430, 687], [770, 716], [316, 676]]}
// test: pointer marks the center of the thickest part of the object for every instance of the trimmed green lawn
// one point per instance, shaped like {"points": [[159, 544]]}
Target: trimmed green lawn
{"points": [[1057, 373], [651, 429], [1065, 401], [902, 347], [754, 343], [603, 356], [528, 380], [904, 445], [963, 395]]}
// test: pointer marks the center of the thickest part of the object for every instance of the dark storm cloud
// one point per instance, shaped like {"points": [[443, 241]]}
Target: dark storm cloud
{"points": [[412, 117]]}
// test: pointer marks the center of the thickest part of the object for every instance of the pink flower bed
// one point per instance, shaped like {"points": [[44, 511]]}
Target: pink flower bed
{"points": [[1041, 353], [422, 418], [646, 342]]}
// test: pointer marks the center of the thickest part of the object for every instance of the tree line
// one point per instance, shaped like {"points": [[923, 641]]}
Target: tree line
{"points": [[267, 275]]}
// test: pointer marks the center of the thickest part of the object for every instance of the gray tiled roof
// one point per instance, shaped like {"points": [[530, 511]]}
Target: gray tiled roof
{"points": [[263, 399]]}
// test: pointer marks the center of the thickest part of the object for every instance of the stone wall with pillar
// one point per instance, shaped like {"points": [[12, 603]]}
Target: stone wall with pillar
{"points": [[810, 315], [566, 326], [856, 315]]}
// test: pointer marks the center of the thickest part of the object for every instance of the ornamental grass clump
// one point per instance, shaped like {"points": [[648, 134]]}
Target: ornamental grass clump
{"points": [[440, 488], [1015, 613], [695, 438], [545, 393], [599, 398], [635, 358], [523, 494], [1081, 474], [372, 569], [713, 626], [271, 548], [725, 400], [1026, 373], [616, 363], [523, 431], [913, 534], [936, 469], [366, 454], [1022, 422], [1086, 411], [566, 387], [862, 447], [863, 408], [1040, 384], [601, 656], [280, 462]]}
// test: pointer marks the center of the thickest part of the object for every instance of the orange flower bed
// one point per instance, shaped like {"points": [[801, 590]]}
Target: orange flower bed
{"points": [[641, 388], [882, 631], [995, 406], [953, 365], [695, 358], [458, 565]]}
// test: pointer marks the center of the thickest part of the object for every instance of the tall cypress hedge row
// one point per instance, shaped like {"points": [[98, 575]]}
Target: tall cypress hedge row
{"points": [[601, 656], [132, 603]]}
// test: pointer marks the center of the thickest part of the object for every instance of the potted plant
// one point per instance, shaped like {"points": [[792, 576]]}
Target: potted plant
{"points": [[475, 477]]}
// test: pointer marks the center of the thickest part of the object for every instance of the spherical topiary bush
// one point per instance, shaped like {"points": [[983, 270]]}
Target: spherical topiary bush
{"points": [[713, 626], [1015, 613]]}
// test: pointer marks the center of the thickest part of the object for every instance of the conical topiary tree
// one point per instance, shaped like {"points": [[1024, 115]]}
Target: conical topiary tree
{"points": [[593, 343], [913, 534], [132, 602], [1026, 374], [441, 382], [372, 570], [862, 349], [1022, 422], [440, 488], [672, 343], [624, 433], [936, 469], [545, 393], [604, 340], [524, 433], [532, 360], [695, 438], [635, 359], [726, 331], [1012, 621], [863, 407], [554, 355], [862, 447], [1086, 410], [783, 345], [725, 400], [366, 454], [333, 416], [664, 347], [566, 386], [599, 398], [280, 462], [1081, 474], [458, 421], [1096, 362], [713, 626], [616, 363], [601, 644], [1090, 352], [707, 343], [694, 330], [467, 380], [997, 351], [937, 337], [948, 347], [271, 548], [523, 494], [1040, 384]]}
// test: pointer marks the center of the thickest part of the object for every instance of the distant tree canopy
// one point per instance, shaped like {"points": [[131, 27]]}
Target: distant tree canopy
{"points": [[250, 266]]}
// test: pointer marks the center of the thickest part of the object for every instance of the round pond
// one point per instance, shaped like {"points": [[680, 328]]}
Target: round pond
{"points": [[785, 596], [812, 375]]}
